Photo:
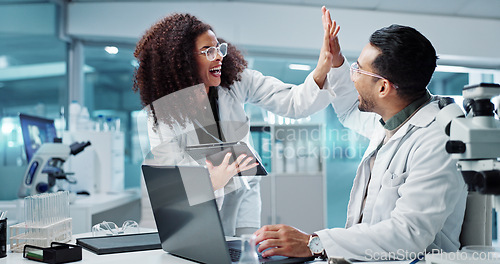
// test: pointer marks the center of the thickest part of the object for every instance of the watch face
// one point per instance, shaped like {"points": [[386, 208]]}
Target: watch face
{"points": [[315, 245]]}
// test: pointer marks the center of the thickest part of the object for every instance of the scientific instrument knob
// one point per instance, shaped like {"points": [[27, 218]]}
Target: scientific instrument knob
{"points": [[42, 187], [455, 146]]}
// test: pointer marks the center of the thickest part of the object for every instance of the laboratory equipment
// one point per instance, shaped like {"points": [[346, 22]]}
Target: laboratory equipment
{"points": [[55, 254], [46, 167], [47, 220], [248, 252], [111, 229], [36, 131], [74, 113], [475, 144], [3, 237], [475, 137], [100, 168]]}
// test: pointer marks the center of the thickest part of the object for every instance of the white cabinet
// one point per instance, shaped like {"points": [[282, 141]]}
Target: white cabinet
{"points": [[294, 192]]}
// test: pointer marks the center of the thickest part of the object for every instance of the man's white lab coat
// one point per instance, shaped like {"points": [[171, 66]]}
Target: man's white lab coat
{"points": [[416, 197]]}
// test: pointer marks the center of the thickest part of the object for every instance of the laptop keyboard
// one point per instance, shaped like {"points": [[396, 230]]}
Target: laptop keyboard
{"points": [[235, 254]]}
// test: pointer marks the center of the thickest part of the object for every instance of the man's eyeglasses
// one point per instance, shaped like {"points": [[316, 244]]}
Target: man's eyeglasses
{"points": [[355, 69], [211, 52]]}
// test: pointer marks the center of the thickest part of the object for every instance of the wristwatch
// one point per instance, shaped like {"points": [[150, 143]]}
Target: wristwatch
{"points": [[316, 247]]}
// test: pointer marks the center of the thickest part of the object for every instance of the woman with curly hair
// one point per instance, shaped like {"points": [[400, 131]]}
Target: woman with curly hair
{"points": [[176, 55]]}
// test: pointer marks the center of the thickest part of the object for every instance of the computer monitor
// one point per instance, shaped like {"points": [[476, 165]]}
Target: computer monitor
{"points": [[36, 131]]}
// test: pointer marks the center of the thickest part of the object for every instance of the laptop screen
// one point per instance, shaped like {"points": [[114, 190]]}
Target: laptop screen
{"points": [[186, 213]]}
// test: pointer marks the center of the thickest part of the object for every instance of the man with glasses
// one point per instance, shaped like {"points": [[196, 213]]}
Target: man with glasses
{"points": [[407, 197]]}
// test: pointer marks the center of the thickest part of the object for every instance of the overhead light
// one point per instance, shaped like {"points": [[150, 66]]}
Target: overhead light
{"points": [[7, 126], [299, 67], [40, 70], [4, 63], [454, 69], [111, 49]]}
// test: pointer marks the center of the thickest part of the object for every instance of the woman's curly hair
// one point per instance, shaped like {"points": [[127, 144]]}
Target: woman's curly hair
{"points": [[167, 64]]}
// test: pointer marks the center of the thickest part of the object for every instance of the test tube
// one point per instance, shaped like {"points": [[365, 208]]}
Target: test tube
{"points": [[52, 206], [27, 210], [57, 205], [66, 205]]}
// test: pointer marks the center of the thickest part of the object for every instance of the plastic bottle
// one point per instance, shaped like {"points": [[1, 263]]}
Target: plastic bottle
{"points": [[110, 124], [74, 115], [84, 119], [62, 123], [100, 123], [248, 253], [117, 123], [106, 125]]}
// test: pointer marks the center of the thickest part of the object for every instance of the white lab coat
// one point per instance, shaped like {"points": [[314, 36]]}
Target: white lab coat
{"points": [[416, 197], [241, 206]]}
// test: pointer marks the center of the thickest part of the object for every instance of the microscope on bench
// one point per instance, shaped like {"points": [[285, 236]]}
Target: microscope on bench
{"points": [[46, 167], [475, 137], [475, 145]]}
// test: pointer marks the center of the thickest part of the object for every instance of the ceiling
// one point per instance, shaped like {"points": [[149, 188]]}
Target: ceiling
{"points": [[115, 71], [462, 8]]}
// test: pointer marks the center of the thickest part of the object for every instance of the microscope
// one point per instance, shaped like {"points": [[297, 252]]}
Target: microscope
{"points": [[46, 167], [474, 137], [475, 144]]}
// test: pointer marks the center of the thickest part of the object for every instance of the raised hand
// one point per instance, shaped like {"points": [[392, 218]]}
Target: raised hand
{"points": [[330, 54], [220, 175], [333, 30]]}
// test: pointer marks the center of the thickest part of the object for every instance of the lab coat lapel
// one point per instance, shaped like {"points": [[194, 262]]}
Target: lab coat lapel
{"points": [[361, 180], [384, 157]]}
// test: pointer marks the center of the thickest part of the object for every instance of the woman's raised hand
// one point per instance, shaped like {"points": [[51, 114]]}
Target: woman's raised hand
{"points": [[220, 175]]}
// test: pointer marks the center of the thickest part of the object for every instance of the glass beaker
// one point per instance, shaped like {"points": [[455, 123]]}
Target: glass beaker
{"points": [[248, 252]]}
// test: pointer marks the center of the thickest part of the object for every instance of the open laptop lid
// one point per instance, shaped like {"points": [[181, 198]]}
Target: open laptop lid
{"points": [[187, 218], [186, 213]]}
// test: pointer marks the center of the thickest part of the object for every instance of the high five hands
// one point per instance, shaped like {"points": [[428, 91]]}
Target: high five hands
{"points": [[330, 54]]}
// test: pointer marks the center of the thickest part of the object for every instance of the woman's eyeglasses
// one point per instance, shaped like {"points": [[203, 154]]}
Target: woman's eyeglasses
{"points": [[211, 52]]}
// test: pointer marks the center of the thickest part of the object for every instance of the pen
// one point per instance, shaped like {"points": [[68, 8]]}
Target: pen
{"points": [[415, 260]]}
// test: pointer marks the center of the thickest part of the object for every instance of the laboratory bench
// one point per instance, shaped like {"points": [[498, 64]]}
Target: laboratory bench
{"points": [[88, 210], [148, 256]]}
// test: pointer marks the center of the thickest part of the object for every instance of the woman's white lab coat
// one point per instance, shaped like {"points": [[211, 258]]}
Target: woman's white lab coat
{"points": [[415, 199], [241, 206]]}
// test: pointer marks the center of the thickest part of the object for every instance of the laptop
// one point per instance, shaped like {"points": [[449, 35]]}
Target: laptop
{"points": [[187, 218]]}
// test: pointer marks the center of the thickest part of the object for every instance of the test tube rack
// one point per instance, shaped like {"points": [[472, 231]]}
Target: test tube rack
{"points": [[41, 236]]}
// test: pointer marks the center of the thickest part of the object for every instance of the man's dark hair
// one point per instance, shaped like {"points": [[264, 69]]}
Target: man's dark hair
{"points": [[407, 59]]}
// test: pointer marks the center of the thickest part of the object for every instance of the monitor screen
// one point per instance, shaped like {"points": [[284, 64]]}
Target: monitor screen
{"points": [[36, 131]]}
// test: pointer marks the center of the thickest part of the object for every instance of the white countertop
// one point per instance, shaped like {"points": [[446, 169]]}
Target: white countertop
{"points": [[96, 203], [146, 257]]}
